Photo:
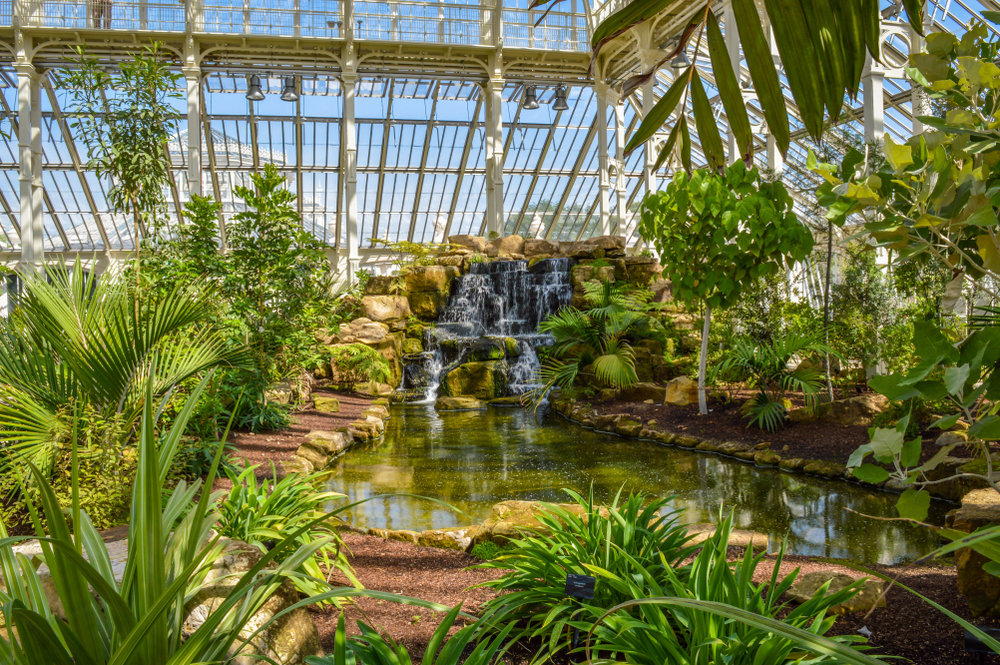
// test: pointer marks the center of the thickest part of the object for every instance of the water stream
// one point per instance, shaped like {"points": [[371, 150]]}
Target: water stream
{"points": [[474, 459]]}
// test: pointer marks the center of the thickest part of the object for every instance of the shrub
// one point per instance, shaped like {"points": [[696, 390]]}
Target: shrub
{"points": [[361, 362], [606, 541], [262, 513]]}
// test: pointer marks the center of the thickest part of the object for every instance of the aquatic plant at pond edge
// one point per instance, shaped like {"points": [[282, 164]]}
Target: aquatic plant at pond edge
{"points": [[613, 538]]}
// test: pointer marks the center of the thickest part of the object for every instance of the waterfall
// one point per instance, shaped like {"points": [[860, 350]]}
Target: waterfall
{"points": [[493, 302]]}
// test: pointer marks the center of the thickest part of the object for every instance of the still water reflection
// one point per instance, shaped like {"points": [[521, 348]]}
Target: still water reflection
{"points": [[472, 460]]}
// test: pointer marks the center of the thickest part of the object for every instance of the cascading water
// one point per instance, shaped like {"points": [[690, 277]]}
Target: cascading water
{"points": [[492, 304]]}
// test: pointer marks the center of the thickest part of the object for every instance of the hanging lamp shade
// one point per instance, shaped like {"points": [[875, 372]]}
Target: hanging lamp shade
{"points": [[289, 94], [681, 61], [559, 103], [254, 93], [530, 98]]}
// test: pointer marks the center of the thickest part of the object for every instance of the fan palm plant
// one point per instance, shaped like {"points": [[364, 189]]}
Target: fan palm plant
{"points": [[76, 344], [766, 368]]}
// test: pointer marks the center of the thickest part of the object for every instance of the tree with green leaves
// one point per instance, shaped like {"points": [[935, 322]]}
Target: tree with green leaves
{"points": [[125, 119], [716, 236]]}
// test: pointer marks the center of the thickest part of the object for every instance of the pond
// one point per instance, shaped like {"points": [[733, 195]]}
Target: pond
{"points": [[473, 459]]}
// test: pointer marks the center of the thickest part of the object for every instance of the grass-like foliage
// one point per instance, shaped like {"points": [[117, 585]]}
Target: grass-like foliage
{"points": [[716, 613], [608, 542], [765, 368], [262, 513], [371, 648]]}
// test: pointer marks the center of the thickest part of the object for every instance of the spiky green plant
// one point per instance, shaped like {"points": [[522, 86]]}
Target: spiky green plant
{"points": [[361, 361], [77, 344], [766, 368]]}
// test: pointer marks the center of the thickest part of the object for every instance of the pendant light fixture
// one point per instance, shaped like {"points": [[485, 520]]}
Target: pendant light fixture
{"points": [[559, 103], [530, 98], [254, 93], [289, 94], [680, 62]]}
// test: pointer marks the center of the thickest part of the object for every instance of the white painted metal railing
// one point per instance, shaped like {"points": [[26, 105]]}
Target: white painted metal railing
{"points": [[558, 31], [156, 15], [440, 23]]}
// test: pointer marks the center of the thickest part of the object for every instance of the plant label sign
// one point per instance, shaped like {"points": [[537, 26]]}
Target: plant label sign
{"points": [[580, 586]]}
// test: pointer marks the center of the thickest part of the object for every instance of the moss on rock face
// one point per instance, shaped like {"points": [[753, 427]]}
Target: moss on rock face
{"points": [[411, 345], [483, 380], [428, 305]]}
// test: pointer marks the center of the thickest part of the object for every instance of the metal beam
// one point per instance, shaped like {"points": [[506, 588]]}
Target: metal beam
{"points": [[216, 190], [473, 124], [386, 128], [584, 153], [298, 149], [423, 163]]}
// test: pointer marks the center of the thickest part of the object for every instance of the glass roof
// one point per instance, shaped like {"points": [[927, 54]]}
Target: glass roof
{"points": [[421, 157]]}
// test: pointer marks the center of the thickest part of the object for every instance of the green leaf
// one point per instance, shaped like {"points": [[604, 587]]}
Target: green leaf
{"points": [[992, 567], [955, 378], [763, 72], [886, 443], [871, 473], [889, 385], [858, 456], [946, 422], [659, 114], [801, 61], [913, 504], [708, 129], [729, 90], [910, 456], [913, 13], [898, 156], [986, 429]]}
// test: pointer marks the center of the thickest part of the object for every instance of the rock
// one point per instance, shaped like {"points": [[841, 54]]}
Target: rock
{"points": [[681, 391], [643, 391], [427, 305], [686, 441], [585, 273], [288, 641], [380, 285], [401, 535], [607, 422], [458, 404], [853, 411], [321, 446], [366, 429], [454, 260], [481, 379], [510, 400], [794, 464], [326, 404], [511, 520], [540, 248], [415, 330], [641, 270], [628, 427], [953, 438], [737, 537], [430, 279], [280, 393], [807, 586], [980, 508], [371, 389], [385, 308], [476, 243], [295, 464], [825, 469], [708, 447], [445, 539], [362, 331], [732, 447], [411, 345], [505, 246], [612, 245], [767, 458]]}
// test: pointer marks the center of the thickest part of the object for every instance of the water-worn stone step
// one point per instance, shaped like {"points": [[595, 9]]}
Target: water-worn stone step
{"points": [[869, 597], [459, 404], [326, 404]]}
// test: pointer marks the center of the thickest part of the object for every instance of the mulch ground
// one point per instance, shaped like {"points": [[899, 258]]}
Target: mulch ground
{"points": [[726, 422], [906, 627], [266, 447]]}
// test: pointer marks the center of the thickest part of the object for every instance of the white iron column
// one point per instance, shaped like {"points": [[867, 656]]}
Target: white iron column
{"points": [[193, 77], [29, 135], [350, 173], [874, 101], [775, 160], [620, 222], [601, 90], [649, 59], [494, 157]]}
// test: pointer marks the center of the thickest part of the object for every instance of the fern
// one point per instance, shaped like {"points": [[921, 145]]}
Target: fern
{"points": [[361, 361]]}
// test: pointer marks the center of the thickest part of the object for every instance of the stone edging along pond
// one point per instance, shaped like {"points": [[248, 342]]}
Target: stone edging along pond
{"points": [[625, 425]]}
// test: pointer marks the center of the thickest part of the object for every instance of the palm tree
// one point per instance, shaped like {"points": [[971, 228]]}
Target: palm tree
{"points": [[77, 345]]}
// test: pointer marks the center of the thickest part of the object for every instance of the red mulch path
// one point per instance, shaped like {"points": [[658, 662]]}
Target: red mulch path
{"points": [[266, 447], [907, 627]]}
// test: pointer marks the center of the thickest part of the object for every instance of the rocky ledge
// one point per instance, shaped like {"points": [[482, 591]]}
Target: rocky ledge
{"points": [[321, 447]]}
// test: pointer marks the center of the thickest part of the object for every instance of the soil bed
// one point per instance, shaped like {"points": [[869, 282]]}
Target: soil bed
{"points": [[907, 627]]}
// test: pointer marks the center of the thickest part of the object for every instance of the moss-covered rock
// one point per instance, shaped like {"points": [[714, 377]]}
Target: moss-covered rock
{"points": [[386, 308], [428, 305], [483, 380], [411, 345], [430, 279], [628, 427], [869, 597], [415, 329], [825, 469], [767, 458], [459, 404], [326, 403]]}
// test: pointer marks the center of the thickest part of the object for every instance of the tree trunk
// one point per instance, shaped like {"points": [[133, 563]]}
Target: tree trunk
{"points": [[703, 361], [826, 305]]}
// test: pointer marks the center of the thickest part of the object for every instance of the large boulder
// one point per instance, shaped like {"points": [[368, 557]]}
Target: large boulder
{"points": [[681, 391], [702, 531], [641, 270], [534, 248], [289, 640], [505, 247], [427, 305], [641, 392], [511, 520], [362, 331], [869, 597], [326, 403], [430, 279], [585, 272], [380, 285], [476, 243], [853, 411], [459, 404], [980, 508], [321, 446], [483, 380], [386, 308]]}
